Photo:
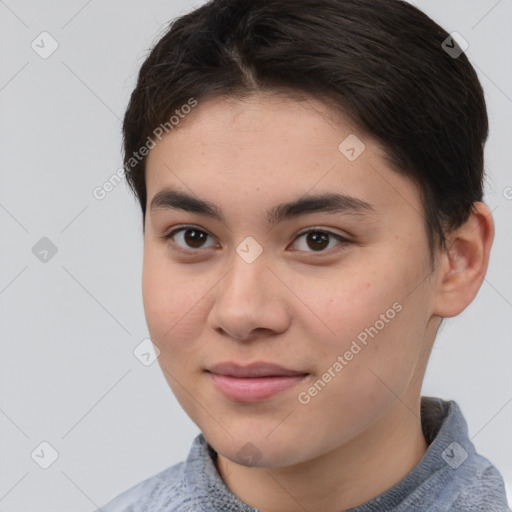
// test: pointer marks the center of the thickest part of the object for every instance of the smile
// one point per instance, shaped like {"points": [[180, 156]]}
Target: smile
{"points": [[253, 383]]}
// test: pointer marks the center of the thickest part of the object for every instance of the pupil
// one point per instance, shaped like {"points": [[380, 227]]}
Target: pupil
{"points": [[195, 239], [319, 237]]}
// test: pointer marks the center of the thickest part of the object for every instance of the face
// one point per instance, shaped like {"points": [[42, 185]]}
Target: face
{"points": [[334, 291]]}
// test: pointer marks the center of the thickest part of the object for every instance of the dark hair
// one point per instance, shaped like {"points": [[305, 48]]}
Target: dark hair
{"points": [[383, 63]]}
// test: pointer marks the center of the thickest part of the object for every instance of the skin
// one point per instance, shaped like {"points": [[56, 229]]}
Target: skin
{"points": [[297, 305]]}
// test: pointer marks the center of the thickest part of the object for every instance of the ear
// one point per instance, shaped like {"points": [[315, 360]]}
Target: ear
{"points": [[463, 264]]}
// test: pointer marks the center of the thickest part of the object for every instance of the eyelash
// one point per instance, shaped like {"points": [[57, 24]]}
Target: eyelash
{"points": [[343, 241]]}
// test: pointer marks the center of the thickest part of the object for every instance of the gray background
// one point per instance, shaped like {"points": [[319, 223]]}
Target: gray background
{"points": [[69, 325]]}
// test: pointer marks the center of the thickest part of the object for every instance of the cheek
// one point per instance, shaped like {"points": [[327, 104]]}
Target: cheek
{"points": [[370, 319], [172, 303], [363, 368], [343, 305]]}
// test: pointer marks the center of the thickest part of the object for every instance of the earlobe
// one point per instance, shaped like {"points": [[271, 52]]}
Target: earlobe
{"points": [[463, 265]]}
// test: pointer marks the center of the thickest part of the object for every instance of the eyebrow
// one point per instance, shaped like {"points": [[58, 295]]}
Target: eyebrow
{"points": [[169, 198]]}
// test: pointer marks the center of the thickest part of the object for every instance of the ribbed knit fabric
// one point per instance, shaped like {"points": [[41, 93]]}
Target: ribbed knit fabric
{"points": [[450, 477]]}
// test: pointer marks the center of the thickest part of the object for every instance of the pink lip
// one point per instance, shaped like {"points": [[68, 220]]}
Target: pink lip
{"points": [[253, 383]]}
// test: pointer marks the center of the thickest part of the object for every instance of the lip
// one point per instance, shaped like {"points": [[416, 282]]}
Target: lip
{"points": [[255, 382], [258, 369]]}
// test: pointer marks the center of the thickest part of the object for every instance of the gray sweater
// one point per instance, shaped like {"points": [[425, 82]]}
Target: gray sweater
{"points": [[450, 477]]}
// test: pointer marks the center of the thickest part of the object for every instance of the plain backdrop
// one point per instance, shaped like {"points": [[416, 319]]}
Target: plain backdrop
{"points": [[70, 265]]}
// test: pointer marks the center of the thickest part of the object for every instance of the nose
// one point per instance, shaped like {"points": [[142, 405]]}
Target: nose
{"points": [[249, 301]]}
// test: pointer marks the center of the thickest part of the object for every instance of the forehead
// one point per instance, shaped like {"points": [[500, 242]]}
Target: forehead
{"points": [[263, 118], [256, 133], [281, 147]]}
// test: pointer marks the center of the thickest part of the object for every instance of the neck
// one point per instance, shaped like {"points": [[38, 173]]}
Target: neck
{"points": [[344, 478]]}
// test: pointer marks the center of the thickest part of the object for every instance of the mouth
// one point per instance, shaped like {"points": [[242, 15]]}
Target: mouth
{"points": [[253, 383]]}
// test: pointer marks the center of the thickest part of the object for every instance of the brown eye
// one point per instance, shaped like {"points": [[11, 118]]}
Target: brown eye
{"points": [[194, 238], [317, 240], [188, 238]]}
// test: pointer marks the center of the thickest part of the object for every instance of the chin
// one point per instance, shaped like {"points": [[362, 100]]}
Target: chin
{"points": [[263, 451]]}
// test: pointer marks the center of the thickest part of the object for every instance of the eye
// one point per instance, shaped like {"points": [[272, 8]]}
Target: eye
{"points": [[189, 237], [318, 239]]}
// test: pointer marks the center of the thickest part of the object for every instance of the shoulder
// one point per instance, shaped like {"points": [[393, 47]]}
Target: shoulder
{"points": [[455, 477], [182, 487], [483, 488], [165, 487]]}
